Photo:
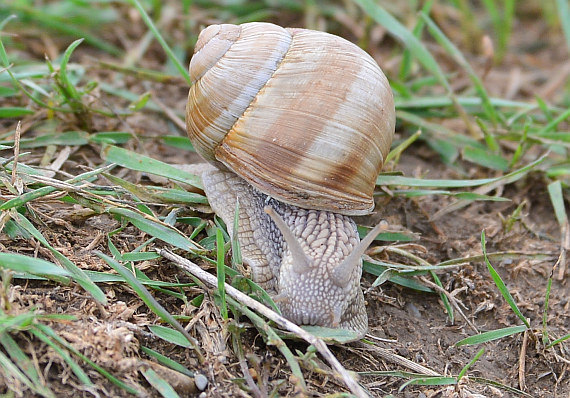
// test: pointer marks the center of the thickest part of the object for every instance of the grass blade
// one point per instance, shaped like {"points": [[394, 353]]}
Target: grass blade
{"points": [[421, 182], [156, 194], [411, 42], [25, 364], [50, 333], [170, 335], [135, 161], [501, 285], [397, 152], [9, 369], [149, 300], [491, 335], [34, 266], [221, 274], [471, 362], [11, 112], [407, 55], [157, 229], [557, 200], [236, 250], [38, 15], [81, 375], [484, 158], [43, 191], [159, 384], [564, 12], [558, 341], [454, 52], [444, 299], [430, 381], [501, 386], [66, 138], [66, 84], [167, 361], [78, 274], [181, 69], [3, 55], [272, 339]]}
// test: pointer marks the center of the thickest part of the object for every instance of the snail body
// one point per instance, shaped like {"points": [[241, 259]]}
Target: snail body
{"points": [[296, 125]]}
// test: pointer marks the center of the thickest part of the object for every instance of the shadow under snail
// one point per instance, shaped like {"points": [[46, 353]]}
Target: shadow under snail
{"points": [[295, 125]]}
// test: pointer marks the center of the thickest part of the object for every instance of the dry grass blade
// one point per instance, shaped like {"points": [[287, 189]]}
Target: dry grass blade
{"points": [[557, 199], [522, 361], [212, 281], [499, 182], [273, 339], [398, 360], [16, 152], [18, 366], [452, 300]]}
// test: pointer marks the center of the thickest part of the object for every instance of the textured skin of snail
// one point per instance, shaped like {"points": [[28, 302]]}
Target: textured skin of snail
{"points": [[304, 297]]}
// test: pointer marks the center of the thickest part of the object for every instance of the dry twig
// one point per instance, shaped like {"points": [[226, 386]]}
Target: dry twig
{"points": [[451, 299], [16, 152], [522, 361], [211, 280], [398, 360]]}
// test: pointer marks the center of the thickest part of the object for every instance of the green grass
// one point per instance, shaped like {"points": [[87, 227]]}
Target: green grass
{"points": [[510, 140]]}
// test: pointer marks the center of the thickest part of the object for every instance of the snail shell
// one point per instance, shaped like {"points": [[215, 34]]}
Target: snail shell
{"points": [[304, 116]]}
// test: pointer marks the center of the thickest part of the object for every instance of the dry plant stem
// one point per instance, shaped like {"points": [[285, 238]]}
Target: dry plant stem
{"points": [[452, 300], [564, 246], [249, 379], [522, 361], [16, 151], [170, 113], [244, 369], [398, 360], [376, 338], [61, 158], [211, 280], [460, 203], [66, 187]]}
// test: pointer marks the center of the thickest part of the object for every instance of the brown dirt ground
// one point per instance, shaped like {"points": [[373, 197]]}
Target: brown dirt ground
{"points": [[415, 322]]}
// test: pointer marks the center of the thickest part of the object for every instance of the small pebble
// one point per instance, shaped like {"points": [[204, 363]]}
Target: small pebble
{"points": [[201, 381]]}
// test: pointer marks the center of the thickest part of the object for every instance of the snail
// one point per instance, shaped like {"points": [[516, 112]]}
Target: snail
{"points": [[295, 125]]}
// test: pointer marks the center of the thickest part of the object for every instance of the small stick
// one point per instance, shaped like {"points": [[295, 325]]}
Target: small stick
{"points": [[170, 113], [522, 361], [564, 246], [211, 280], [397, 359], [16, 151], [452, 300]]}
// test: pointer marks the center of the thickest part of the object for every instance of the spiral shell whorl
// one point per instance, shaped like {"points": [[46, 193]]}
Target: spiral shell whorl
{"points": [[245, 59], [304, 116], [212, 44]]}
